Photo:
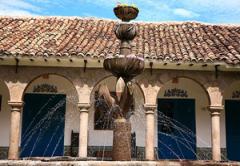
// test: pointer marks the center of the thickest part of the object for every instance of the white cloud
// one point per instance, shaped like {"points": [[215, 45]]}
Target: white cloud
{"points": [[17, 8], [216, 4], [20, 4], [185, 13], [150, 10], [101, 3], [14, 12]]}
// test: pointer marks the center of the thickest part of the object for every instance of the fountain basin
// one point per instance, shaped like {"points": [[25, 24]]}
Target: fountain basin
{"points": [[126, 67], [126, 13], [116, 163]]}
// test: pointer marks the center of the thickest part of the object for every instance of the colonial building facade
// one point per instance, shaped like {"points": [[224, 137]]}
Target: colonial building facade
{"points": [[187, 101]]}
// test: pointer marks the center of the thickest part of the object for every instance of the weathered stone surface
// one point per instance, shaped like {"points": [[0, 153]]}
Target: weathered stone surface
{"points": [[116, 163], [3, 152], [122, 140], [202, 153], [206, 154]]}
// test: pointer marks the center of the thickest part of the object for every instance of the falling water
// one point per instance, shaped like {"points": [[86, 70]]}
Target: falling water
{"points": [[137, 119]]}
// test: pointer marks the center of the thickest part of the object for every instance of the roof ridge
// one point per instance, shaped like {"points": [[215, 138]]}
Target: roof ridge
{"points": [[115, 20]]}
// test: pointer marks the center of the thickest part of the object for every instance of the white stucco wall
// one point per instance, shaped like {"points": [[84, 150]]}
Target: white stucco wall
{"points": [[235, 86], [4, 115]]}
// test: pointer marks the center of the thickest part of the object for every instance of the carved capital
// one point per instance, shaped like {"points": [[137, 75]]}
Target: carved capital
{"points": [[215, 109], [83, 107], [16, 105], [150, 108]]}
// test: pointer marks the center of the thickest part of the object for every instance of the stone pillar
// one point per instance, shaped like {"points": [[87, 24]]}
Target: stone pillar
{"points": [[121, 140], [83, 129], [149, 138], [215, 122], [16, 108]]}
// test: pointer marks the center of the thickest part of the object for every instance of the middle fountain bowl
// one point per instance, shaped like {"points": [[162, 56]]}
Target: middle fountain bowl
{"points": [[123, 66]]}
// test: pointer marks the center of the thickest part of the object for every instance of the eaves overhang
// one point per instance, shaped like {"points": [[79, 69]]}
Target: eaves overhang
{"points": [[98, 63]]}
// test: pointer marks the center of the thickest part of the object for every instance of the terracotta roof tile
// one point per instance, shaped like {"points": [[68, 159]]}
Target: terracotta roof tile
{"points": [[66, 37]]}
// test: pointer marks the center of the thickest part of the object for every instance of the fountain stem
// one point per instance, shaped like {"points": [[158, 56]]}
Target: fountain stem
{"points": [[125, 67], [125, 48]]}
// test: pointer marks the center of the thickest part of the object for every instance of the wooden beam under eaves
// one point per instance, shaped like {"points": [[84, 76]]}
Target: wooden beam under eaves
{"points": [[216, 71], [85, 65], [151, 67], [17, 64]]}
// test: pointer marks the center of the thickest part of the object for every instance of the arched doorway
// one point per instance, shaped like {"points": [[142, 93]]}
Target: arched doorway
{"points": [[5, 115], [46, 101], [232, 120], [180, 111]]}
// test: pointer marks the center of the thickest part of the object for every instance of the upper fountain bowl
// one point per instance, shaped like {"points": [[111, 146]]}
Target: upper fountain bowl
{"points": [[125, 12], [126, 67]]}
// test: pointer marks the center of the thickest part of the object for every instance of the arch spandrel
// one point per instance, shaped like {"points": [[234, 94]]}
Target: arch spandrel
{"points": [[60, 83], [232, 91]]}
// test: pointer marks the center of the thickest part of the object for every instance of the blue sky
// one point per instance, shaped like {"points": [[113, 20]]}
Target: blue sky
{"points": [[211, 11]]}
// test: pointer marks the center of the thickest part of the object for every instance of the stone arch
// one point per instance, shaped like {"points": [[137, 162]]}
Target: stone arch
{"points": [[96, 135], [51, 83], [188, 78], [46, 77], [192, 90], [5, 114]]}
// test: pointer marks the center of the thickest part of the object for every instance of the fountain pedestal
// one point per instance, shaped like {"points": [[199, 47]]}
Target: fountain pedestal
{"points": [[121, 140]]}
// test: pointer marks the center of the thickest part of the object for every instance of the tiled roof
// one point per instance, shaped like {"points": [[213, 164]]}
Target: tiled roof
{"points": [[94, 38]]}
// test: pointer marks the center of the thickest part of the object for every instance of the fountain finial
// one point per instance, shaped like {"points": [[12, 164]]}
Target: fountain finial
{"points": [[126, 12]]}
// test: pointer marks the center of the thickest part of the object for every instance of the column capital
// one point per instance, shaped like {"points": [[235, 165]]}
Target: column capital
{"points": [[16, 105], [215, 109], [84, 106], [150, 108]]}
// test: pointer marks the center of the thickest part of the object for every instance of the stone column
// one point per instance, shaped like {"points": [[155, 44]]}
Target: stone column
{"points": [[149, 138], [16, 108], [215, 122], [83, 129]]}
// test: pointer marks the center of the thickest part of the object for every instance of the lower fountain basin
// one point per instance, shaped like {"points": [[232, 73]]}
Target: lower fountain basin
{"points": [[116, 163], [126, 67]]}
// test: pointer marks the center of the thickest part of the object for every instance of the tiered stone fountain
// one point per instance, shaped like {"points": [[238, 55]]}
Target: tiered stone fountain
{"points": [[125, 67]]}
